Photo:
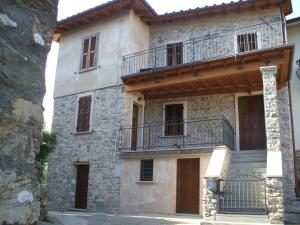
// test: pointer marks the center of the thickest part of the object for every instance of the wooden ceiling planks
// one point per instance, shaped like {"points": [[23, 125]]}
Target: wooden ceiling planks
{"points": [[213, 77]]}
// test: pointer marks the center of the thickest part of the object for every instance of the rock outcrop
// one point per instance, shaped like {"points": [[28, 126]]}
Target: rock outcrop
{"points": [[25, 39]]}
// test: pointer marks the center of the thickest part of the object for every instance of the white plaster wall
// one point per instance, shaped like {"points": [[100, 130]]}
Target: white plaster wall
{"points": [[158, 196], [294, 37], [118, 35]]}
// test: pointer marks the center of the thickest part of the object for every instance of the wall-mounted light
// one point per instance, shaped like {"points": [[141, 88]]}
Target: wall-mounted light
{"points": [[298, 69]]}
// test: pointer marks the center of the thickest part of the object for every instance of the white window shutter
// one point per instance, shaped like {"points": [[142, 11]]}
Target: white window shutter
{"points": [[258, 40]]}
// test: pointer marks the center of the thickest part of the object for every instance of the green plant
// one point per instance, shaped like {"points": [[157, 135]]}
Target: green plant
{"points": [[47, 146]]}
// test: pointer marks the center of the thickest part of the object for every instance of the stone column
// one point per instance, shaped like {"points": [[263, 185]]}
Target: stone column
{"points": [[274, 161], [210, 199]]}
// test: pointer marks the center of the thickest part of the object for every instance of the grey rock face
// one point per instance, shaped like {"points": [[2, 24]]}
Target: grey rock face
{"points": [[22, 65]]}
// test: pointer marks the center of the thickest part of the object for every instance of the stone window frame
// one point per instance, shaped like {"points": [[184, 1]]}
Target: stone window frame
{"points": [[97, 35], [91, 112], [259, 42], [184, 103]]}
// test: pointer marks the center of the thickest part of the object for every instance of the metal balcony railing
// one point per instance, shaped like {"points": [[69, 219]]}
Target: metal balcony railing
{"points": [[212, 46], [201, 132]]}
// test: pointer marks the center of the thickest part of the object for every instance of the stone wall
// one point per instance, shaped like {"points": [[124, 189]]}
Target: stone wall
{"points": [[97, 148], [25, 39], [203, 121], [209, 31], [286, 145], [198, 106]]}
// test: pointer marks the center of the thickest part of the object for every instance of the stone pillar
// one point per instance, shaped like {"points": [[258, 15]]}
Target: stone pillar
{"points": [[210, 199], [274, 161]]}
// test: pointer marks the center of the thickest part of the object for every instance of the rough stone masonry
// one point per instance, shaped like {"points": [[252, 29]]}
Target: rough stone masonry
{"points": [[25, 39]]}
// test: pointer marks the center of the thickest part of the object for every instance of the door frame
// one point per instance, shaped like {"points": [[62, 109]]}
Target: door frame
{"points": [[139, 101], [237, 95], [76, 164], [200, 206]]}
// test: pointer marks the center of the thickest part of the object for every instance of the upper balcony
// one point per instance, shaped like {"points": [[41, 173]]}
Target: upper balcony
{"points": [[216, 63], [212, 46]]}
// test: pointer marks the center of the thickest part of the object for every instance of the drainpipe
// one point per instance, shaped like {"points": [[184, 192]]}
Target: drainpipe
{"points": [[283, 24], [297, 188]]}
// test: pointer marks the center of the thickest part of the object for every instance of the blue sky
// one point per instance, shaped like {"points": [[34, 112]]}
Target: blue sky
{"points": [[161, 6]]}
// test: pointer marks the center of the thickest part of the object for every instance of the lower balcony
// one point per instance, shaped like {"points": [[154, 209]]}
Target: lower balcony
{"points": [[177, 136]]}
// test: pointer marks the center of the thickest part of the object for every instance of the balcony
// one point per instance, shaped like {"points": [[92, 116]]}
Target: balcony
{"points": [[212, 46], [181, 135], [225, 62]]}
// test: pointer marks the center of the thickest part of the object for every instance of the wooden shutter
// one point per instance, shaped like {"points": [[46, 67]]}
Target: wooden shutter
{"points": [[179, 53], [247, 42], [84, 114], [89, 53], [92, 51], [85, 54], [174, 54]]}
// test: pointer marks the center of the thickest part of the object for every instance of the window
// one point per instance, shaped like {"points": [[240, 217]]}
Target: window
{"points": [[174, 119], [247, 42], [84, 114], [147, 170], [89, 53], [174, 54]]}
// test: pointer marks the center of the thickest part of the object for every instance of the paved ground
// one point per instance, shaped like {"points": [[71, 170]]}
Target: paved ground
{"points": [[78, 218]]}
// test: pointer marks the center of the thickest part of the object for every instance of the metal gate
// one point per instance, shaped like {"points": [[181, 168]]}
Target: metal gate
{"points": [[243, 192]]}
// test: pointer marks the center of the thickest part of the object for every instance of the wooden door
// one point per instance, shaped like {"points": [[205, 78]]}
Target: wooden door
{"points": [[252, 123], [188, 178], [134, 130], [82, 186]]}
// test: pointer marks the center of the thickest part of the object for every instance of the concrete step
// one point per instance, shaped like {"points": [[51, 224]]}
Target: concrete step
{"points": [[248, 165], [292, 214], [238, 219], [296, 202]]}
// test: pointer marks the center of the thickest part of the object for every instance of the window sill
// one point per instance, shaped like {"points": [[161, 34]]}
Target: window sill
{"points": [[173, 136], [89, 69], [145, 182], [84, 132]]}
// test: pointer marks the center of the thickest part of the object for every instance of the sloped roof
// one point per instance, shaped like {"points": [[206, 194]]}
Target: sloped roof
{"points": [[149, 16]]}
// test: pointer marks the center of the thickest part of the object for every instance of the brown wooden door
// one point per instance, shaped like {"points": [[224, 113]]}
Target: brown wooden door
{"points": [[252, 123], [82, 186], [188, 178], [134, 131]]}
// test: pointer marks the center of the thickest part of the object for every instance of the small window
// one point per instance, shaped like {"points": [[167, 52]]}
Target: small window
{"points": [[89, 53], [174, 120], [147, 170], [247, 42], [84, 114], [174, 54]]}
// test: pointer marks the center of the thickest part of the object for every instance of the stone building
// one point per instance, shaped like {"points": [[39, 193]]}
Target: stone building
{"points": [[171, 113]]}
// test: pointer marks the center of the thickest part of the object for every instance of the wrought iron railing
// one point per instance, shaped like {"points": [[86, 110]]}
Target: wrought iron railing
{"points": [[211, 46], [243, 192], [201, 132]]}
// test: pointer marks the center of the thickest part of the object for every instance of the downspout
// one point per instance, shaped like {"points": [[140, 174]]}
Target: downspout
{"points": [[283, 24], [297, 188]]}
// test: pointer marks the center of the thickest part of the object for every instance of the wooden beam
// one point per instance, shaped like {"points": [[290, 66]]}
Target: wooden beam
{"points": [[203, 75]]}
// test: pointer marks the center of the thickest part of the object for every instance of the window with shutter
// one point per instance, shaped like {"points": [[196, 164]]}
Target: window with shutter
{"points": [[247, 42], [84, 114], [174, 54], [174, 120], [89, 53]]}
